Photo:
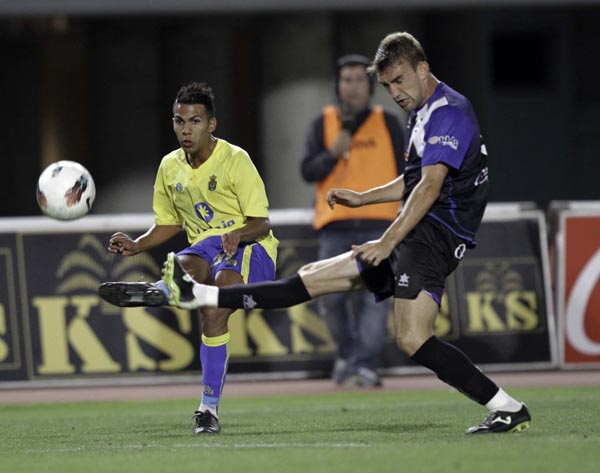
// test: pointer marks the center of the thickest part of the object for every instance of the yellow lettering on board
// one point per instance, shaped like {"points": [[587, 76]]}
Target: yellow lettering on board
{"points": [[481, 313], [56, 336], [143, 326]]}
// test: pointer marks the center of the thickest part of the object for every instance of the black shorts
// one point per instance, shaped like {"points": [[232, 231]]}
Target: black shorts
{"points": [[421, 262]]}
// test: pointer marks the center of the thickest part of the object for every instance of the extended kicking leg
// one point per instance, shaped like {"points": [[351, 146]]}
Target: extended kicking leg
{"points": [[339, 274]]}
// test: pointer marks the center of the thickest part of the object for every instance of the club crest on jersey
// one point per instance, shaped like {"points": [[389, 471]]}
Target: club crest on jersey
{"points": [[204, 212], [212, 183], [179, 187]]}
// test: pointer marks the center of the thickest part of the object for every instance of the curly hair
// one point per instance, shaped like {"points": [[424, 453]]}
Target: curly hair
{"points": [[197, 93]]}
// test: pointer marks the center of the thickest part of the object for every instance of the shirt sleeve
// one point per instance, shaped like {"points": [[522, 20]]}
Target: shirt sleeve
{"points": [[447, 137], [317, 161], [162, 204], [249, 188]]}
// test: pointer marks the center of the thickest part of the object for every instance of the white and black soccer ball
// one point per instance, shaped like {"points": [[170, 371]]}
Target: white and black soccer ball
{"points": [[66, 190]]}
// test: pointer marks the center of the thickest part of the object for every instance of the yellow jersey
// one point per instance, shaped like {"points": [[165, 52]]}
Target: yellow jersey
{"points": [[213, 199]]}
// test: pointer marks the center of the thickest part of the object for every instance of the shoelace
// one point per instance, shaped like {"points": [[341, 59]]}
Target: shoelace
{"points": [[202, 414], [488, 420]]}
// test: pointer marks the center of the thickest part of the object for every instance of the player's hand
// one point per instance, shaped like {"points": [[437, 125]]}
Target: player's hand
{"points": [[231, 242], [122, 244], [372, 252], [341, 145], [344, 197]]}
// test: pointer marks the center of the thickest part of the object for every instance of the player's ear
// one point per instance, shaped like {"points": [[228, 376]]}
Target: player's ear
{"points": [[212, 124], [422, 69]]}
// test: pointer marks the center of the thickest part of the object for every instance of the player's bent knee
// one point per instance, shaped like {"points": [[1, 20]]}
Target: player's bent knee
{"points": [[337, 274], [196, 267]]}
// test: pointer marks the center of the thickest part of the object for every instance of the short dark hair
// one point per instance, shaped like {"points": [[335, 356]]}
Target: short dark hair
{"points": [[197, 93], [401, 46]]}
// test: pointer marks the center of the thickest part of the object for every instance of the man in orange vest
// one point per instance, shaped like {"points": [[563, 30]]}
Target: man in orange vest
{"points": [[355, 146]]}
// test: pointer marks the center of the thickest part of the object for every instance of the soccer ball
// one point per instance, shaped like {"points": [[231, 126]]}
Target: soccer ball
{"points": [[66, 190]]}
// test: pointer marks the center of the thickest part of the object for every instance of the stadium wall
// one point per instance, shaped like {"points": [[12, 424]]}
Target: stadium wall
{"points": [[498, 305]]}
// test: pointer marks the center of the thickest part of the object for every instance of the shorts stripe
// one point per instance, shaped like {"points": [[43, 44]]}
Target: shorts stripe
{"points": [[246, 262]]}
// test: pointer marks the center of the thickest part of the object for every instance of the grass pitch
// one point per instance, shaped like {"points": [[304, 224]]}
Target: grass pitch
{"points": [[335, 432]]}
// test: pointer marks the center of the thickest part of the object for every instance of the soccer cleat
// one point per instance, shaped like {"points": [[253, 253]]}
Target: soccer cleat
{"points": [[132, 294], [206, 423], [179, 283], [501, 421]]}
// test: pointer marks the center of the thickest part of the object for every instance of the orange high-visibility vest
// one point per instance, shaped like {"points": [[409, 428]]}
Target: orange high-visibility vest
{"points": [[371, 163]]}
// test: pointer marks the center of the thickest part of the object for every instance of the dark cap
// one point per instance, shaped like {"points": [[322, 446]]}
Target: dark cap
{"points": [[353, 60]]}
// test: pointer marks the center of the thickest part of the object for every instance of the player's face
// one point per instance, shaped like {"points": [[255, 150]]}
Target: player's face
{"points": [[407, 86], [353, 88], [193, 127]]}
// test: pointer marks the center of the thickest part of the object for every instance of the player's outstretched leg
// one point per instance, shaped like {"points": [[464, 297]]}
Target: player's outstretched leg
{"points": [[184, 292], [132, 294]]}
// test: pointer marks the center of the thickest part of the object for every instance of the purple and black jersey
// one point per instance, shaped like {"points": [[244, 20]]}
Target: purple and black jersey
{"points": [[445, 130]]}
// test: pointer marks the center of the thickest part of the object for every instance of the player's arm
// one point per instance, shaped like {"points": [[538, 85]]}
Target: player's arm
{"points": [[423, 196], [255, 228], [156, 235], [166, 220], [390, 192], [317, 161]]}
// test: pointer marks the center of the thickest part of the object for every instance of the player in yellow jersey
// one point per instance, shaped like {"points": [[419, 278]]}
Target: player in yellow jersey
{"points": [[211, 189]]}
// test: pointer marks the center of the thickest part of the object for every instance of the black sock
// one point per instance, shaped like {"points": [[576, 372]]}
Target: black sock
{"points": [[265, 295], [454, 368]]}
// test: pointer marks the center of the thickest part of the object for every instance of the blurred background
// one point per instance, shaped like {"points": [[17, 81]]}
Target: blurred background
{"points": [[93, 81]]}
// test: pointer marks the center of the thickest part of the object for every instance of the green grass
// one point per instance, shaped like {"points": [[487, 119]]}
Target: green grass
{"points": [[339, 432]]}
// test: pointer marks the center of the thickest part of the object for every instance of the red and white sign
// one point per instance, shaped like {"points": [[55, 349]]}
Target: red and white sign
{"points": [[581, 289]]}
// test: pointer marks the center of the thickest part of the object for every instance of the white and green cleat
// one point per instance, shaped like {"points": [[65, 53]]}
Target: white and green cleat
{"points": [[500, 421], [179, 283]]}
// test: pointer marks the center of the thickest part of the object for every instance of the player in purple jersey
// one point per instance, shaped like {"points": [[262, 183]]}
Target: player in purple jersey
{"points": [[444, 194], [445, 130]]}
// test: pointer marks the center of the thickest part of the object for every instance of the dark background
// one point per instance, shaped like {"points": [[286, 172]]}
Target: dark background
{"points": [[97, 87]]}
